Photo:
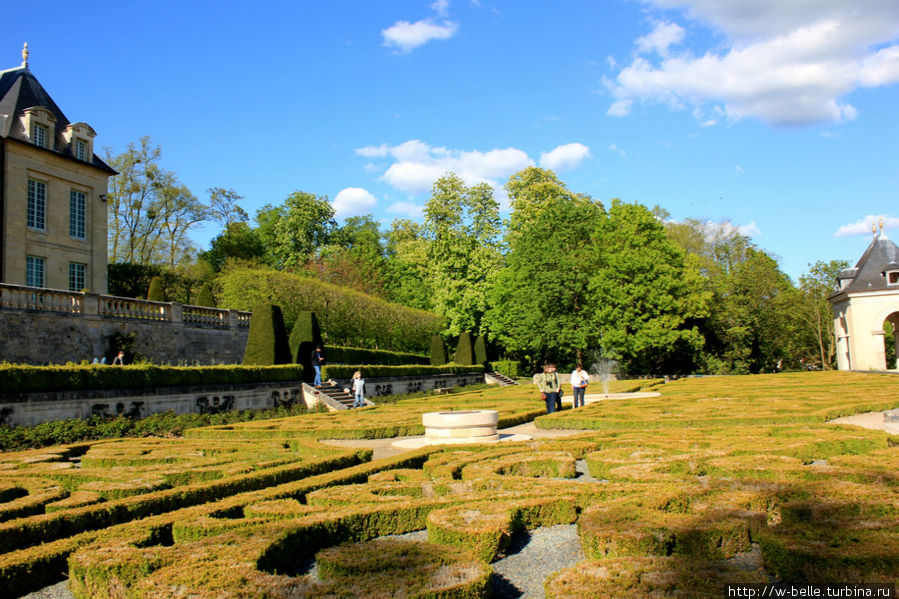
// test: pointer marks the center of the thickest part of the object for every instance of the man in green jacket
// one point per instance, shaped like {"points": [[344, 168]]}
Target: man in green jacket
{"points": [[550, 385]]}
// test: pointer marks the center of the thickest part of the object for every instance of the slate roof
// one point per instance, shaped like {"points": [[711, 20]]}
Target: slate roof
{"points": [[867, 274], [19, 90]]}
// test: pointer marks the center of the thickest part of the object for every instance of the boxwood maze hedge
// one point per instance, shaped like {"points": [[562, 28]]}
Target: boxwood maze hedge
{"points": [[673, 507]]}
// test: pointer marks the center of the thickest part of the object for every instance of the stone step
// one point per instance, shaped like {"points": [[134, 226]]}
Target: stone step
{"points": [[503, 379]]}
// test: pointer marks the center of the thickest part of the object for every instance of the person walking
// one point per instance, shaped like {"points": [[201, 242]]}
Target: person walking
{"points": [[119, 360], [549, 385], [318, 359], [579, 380], [358, 390]]}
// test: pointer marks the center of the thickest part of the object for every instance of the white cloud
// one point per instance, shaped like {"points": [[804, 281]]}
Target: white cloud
{"points": [[417, 165], [406, 36], [660, 39], [715, 232], [353, 201], [410, 209], [749, 230], [786, 63], [564, 158], [863, 226], [620, 107], [441, 7]]}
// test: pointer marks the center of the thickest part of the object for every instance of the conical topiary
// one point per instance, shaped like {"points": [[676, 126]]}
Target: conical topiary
{"points": [[480, 351], [156, 293], [267, 341], [204, 297], [464, 350], [304, 337], [438, 351]]}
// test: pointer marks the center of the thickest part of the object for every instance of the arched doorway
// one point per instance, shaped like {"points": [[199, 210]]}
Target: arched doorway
{"points": [[891, 340]]}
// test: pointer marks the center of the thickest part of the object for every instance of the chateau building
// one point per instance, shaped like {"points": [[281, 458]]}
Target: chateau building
{"points": [[868, 296], [52, 191]]}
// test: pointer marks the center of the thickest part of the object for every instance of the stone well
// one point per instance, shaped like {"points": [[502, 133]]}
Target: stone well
{"points": [[463, 426]]}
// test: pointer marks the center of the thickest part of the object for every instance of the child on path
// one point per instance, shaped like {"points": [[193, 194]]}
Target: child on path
{"points": [[358, 390]]}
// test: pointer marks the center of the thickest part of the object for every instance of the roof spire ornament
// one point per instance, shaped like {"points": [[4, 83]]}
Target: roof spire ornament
{"points": [[25, 55], [874, 228], [881, 225]]}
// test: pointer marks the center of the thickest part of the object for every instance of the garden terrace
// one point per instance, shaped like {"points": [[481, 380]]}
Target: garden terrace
{"points": [[718, 466]]}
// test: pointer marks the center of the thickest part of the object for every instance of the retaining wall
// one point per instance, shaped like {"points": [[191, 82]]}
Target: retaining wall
{"points": [[49, 326], [28, 409]]}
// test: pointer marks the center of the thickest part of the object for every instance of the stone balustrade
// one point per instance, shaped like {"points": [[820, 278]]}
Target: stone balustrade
{"points": [[51, 326], [18, 297], [33, 298]]}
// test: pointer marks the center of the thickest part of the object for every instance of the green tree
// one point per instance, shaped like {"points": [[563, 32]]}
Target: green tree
{"points": [[815, 311], [149, 211], [294, 232], [406, 267], [237, 242], [354, 257], [643, 297], [539, 302], [463, 227]]}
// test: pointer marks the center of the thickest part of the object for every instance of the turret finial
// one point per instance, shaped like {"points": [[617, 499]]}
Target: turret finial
{"points": [[25, 55], [881, 225], [874, 228]]}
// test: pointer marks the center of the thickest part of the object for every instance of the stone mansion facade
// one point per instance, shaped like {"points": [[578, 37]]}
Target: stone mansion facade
{"points": [[52, 191]]}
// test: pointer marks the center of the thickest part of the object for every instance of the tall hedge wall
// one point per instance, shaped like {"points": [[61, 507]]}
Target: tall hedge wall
{"points": [[22, 379], [347, 317], [358, 355]]}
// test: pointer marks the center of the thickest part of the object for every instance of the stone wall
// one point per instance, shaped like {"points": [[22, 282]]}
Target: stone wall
{"points": [[43, 326], [28, 409]]}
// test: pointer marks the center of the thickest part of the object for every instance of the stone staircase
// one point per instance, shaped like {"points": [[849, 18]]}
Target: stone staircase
{"points": [[501, 379], [336, 393]]}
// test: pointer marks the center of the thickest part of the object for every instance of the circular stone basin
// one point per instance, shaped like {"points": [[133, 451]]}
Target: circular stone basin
{"points": [[464, 426]]}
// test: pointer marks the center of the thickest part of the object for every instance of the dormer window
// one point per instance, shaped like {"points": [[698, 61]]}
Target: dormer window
{"points": [[80, 149], [891, 274], [80, 138], [37, 126], [39, 135]]}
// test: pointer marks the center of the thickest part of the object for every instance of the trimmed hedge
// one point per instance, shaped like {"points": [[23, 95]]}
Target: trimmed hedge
{"points": [[345, 371], [438, 351], [464, 350], [267, 342], [480, 350], [358, 355], [510, 368], [347, 317], [205, 297], [75, 377]]}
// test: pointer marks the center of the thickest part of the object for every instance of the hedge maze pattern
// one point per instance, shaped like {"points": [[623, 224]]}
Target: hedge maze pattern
{"points": [[717, 481]]}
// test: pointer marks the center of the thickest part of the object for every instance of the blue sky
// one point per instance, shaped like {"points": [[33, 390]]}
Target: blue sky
{"points": [[777, 116]]}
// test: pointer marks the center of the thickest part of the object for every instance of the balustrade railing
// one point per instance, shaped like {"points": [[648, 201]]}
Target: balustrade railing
{"points": [[20, 297], [125, 307], [205, 316]]}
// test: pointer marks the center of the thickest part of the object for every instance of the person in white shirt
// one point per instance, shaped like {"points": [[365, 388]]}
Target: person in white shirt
{"points": [[358, 390], [579, 380]]}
